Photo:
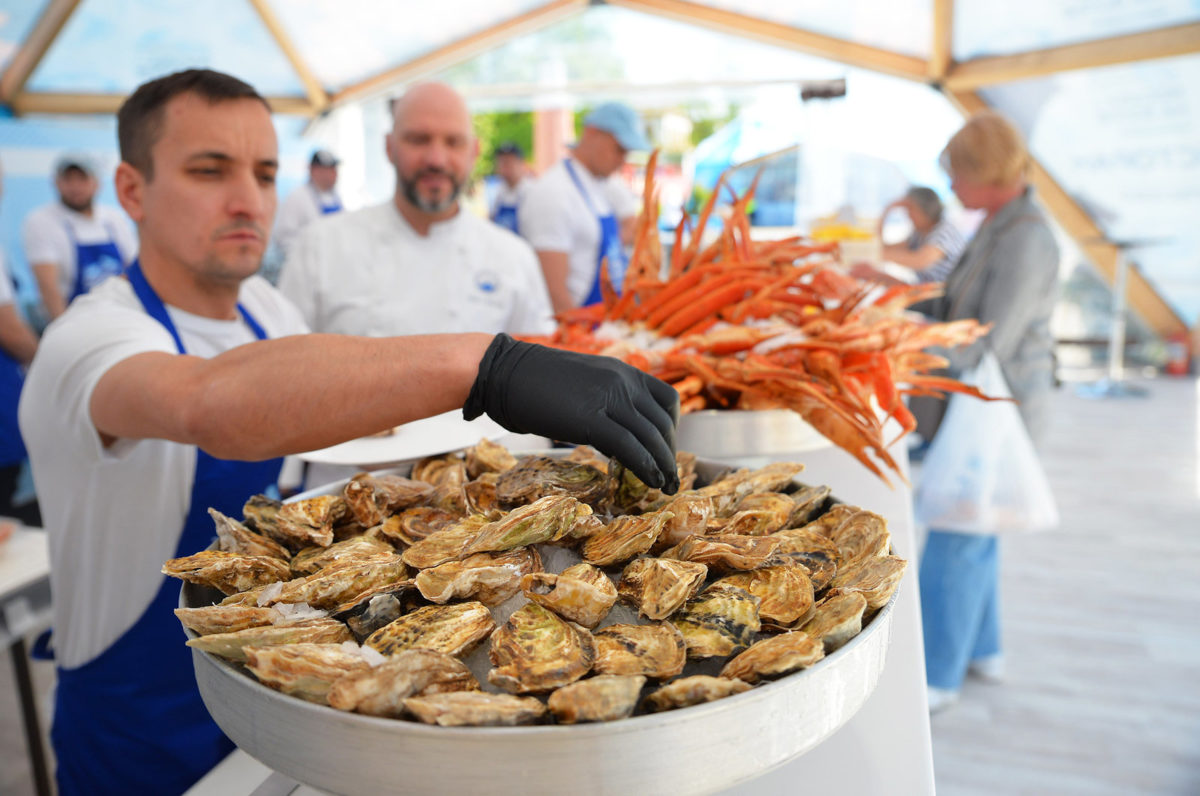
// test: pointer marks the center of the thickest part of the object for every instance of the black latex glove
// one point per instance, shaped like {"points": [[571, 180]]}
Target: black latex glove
{"points": [[593, 400]]}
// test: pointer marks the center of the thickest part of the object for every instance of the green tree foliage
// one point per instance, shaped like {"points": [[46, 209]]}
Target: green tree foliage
{"points": [[494, 129]]}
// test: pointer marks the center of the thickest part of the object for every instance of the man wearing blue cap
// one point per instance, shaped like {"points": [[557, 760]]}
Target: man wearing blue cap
{"points": [[574, 213]]}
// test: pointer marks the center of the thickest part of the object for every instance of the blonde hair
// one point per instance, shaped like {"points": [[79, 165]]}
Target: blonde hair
{"points": [[988, 149]]}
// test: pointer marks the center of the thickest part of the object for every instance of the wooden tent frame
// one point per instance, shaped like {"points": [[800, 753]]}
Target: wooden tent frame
{"points": [[958, 81]]}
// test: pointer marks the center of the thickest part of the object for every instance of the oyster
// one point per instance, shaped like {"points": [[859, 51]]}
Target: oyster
{"points": [[688, 691], [538, 476], [338, 583], [876, 578], [736, 485], [535, 650], [720, 621], [259, 514], [837, 619], [775, 656], [234, 537], [586, 454], [372, 499], [412, 525], [624, 538], [656, 650], [784, 591], [210, 619], [229, 572], [488, 457], [580, 593], [604, 698], [379, 610], [233, 645], [490, 578], [810, 549], [725, 553], [475, 709], [439, 470], [831, 520], [690, 514], [757, 514], [807, 503], [311, 559], [659, 586], [452, 629], [309, 522], [863, 535], [304, 670], [449, 494], [545, 520], [381, 690], [481, 496]]}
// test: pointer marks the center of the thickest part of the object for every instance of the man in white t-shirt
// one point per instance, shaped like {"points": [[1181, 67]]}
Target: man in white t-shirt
{"points": [[316, 198], [514, 174], [419, 263], [74, 244], [179, 387], [578, 213]]}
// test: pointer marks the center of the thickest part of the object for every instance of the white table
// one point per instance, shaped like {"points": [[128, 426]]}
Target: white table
{"points": [[25, 609], [884, 748]]}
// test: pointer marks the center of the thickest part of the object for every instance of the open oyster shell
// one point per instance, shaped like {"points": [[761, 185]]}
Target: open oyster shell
{"points": [[688, 691], [488, 457], [440, 470], [580, 593], [725, 553], [536, 650], [624, 538], [372, 498], [234, 537], [538, 476], [481, 496], [775, 656], [233, 645], [720, 621], [659, 586], [312, 559], [229, 572], [490, 578], [656, 650], [382, 689], [603, 698], [837, 619], [412, 525], [304, 670], [876, 578], [309, 522], [475, 709], [863, 535], [452, 629], [784, 591], [812, 550]]}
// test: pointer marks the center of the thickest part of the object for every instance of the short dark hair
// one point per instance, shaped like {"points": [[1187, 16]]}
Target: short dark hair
{"points": [[140, 119]]}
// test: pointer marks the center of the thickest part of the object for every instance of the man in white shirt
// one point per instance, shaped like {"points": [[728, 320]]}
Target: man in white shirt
{"points": [[317, 197], [513, 172], [179, 387], [578, 213], [419, 263], [74, 244]]}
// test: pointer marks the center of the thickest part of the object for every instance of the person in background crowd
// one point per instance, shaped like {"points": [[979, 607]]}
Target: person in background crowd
{"points": [[17, 346], [419, 263], [1007, 277], [317, 197], [579, 213], [74, 244], [177, 389], [930, 251], [513, 172]]}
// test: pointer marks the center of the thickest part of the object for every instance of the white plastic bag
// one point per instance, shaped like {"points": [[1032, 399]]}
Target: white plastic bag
{"points": [[982, 474]]}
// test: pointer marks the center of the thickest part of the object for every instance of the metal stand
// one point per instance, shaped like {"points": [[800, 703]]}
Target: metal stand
{"points": [[1113, 385]]}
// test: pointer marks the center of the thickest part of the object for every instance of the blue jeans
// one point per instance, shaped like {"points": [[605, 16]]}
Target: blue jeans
{"points": [[960, 604]]}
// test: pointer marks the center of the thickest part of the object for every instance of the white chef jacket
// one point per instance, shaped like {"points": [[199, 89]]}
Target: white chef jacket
{"points": [[555, 217], [7, 293], [114, 515], [370, 273], [300, 209], [51, 231]]}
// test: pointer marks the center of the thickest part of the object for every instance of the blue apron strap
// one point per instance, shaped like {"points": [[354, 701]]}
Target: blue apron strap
{"points": [[158, 311], [94, 262], [326, 209], [609, 246], [506, 216]]}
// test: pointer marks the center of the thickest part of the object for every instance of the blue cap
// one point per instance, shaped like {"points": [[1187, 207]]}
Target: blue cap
{"points": [[622, 122]]}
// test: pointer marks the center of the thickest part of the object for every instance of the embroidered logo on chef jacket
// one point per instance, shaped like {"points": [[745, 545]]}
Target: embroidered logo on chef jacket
{"points": [[487, 281]]}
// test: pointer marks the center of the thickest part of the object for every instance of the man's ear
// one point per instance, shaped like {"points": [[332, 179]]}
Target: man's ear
{"points": [[388, 147], [131, 186]]}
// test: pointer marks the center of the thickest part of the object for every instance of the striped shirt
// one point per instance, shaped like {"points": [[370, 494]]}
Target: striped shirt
{"points": [[946, 239]]}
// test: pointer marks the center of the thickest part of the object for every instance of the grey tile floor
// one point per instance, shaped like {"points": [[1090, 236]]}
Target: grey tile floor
{"points": [[1103, 643]]}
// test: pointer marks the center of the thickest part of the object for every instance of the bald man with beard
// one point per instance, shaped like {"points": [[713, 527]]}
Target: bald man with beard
{"points": [[419, 263]]}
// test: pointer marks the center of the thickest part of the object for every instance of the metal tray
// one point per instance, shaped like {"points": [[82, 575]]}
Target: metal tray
{"points": [[700, 749]]}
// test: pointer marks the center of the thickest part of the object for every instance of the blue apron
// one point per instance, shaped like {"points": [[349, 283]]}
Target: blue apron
{"points": [[327, 209], [12, 449], [131, 720], [610, 243], [94, 262], [506, 216]]}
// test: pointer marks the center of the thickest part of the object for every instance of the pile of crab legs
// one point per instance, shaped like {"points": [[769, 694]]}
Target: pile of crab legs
{"points": [[745, 324]]}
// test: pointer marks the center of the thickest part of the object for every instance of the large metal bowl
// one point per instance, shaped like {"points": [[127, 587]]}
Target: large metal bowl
{"points": [[738, 433], [700, 749]]}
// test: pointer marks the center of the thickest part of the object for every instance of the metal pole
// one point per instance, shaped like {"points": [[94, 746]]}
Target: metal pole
{"points": [[29, 716], [1116, 345]]}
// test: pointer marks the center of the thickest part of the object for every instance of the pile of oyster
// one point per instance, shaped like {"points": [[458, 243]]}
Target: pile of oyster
{"points": [[597, 596]]}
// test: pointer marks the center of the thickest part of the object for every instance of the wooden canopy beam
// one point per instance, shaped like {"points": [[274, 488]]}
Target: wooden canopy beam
{"points": [[47, 102], [1143, 298], [317, 96], [1161, 43], [840, 50], [462, 49], [941, 50], [34, 48]]}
